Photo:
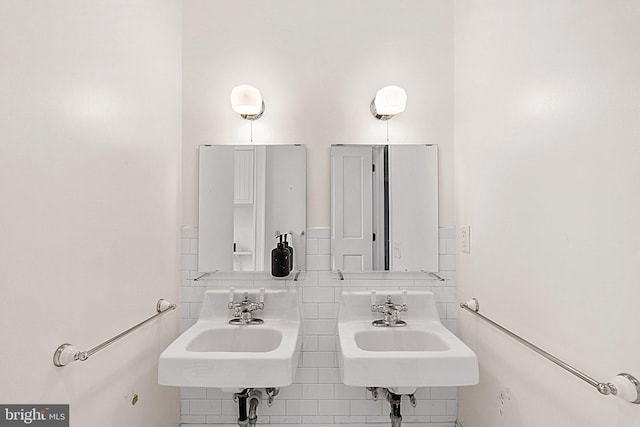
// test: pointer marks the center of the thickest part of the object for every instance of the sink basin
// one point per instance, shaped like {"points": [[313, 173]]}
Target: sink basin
{"points": [[422, 354], [213, 353], [236, 340], [395, 339]]}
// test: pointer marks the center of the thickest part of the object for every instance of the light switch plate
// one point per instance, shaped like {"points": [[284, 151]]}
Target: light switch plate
{"points": [[465, 239]]}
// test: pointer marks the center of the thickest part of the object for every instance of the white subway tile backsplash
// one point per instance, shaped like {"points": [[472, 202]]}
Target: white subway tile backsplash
{"points": [[451, 246], [309, 310], [431, 407], [378, 419], [287, 419], [444, 392], [302, 407], [320, 326], [193, 419], [185, 246], [309, 343], [192, 294], [189, 262], [350, 419], [185, 310], [366, 407], [452, 407], [194, 247], [447, 233], [186, 324], [227, 419], [346, 392], [318, 396], [325, 279], [423, 393], [446, 420], [189, 233], [327, 342], [422, 419], [205, 407], [451, 325], [306, 375], [317, 419], [319, 359], [229, 407], [278, 407], [442, 246], [216, 393], [447, 262], [318, 294], [293, 391], [328, 310], [317, 391], [445, 294], [329, 376]]}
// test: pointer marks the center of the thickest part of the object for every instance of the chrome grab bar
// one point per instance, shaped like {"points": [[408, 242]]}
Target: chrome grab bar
{"points": [[67, 353], [623, 385]]}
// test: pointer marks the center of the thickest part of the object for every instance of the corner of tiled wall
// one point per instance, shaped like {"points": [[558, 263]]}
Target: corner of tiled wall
{"points": [[317, 395]]}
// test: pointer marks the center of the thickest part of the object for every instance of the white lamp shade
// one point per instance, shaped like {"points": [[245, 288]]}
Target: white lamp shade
{"points": [[390, 100], [246, 100]]}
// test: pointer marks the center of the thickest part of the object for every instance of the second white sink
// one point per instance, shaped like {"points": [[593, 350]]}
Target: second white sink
{"points": [[422, 354]]}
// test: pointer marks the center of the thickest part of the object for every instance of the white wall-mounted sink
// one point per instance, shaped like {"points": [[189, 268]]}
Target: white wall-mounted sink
{"points": [[213, 353], [422, 354]]}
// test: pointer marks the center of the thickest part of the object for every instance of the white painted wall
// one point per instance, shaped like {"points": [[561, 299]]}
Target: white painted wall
{"points": [[89, 184], [548, 176], [318, 65]]}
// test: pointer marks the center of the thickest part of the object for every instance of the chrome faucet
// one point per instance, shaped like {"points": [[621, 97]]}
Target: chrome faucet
{"points": [[390, 310], [243, 309]]}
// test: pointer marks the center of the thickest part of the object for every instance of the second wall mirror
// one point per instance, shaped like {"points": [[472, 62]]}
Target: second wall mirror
{"points": [[384, 208], [249, 194]]}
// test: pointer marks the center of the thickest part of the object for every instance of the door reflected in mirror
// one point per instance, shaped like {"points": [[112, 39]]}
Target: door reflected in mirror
{"points": [[384, 208], [248, 195]]}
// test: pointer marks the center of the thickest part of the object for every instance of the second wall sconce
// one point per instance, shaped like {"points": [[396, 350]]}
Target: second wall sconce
{"points": [[389, 101], [247, 101]]}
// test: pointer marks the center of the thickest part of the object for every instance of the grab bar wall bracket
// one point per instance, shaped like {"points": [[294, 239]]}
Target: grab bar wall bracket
{"points": [[624, 385], [67, 353]]}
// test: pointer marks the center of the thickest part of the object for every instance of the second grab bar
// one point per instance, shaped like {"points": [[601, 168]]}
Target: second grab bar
{"points": [[623, 385]]}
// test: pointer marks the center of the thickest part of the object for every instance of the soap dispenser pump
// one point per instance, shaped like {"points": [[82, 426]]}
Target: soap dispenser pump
{"points": [[280, 260]]}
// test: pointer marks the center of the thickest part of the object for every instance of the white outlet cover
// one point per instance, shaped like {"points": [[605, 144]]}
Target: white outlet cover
{"points": [[465, 239]]}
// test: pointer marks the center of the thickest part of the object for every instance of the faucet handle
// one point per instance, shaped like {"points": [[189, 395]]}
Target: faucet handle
{"points": [[232, 292]]}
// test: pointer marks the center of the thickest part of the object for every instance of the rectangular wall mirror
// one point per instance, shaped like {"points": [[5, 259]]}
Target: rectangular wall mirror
{"points": [[247, 195], [384, 208]]}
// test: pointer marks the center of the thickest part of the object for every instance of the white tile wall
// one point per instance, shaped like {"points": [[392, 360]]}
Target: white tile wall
{"points": [[318, 396]]}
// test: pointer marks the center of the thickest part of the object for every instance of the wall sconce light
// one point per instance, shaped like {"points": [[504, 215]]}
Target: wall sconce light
{"points": [[389, 101], [247, 101]]}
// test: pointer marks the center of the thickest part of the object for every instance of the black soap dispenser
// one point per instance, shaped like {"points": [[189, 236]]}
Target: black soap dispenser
{"points": [[280, 260], [290, 249]]}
